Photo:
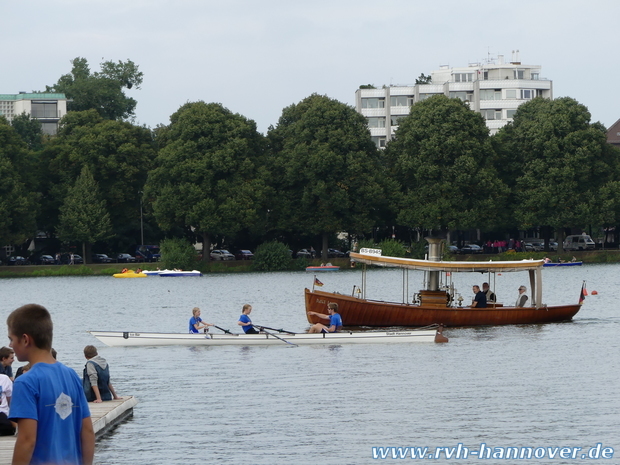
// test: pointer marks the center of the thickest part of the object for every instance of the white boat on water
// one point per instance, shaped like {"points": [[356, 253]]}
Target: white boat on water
{"points": [[172, 273], [128, 338]]}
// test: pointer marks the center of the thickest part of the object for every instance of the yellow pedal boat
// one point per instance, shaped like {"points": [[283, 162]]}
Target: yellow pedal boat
{"points": [[129, 274]]}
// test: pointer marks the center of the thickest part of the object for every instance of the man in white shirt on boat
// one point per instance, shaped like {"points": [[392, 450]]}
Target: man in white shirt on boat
{"points": [[335, 321], [522, 298]]}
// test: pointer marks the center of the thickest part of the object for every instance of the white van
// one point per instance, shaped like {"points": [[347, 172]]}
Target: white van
{"points": [[580, 242]]}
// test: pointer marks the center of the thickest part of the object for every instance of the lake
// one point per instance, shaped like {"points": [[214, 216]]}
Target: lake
{"points": [[537, 386]]}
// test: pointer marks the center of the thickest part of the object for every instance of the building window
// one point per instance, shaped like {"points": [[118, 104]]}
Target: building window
{"points": [[463, 77], [49, 128], [395, 120], [373, 103], [491, 114], [464, 96], [400, 101], [519, 73], [510, 113], [511, 93], [535, 76], [485, 75], [424, 97], [376, 122], [527, 94], [44, 110], [380, 142], [490, 94]]}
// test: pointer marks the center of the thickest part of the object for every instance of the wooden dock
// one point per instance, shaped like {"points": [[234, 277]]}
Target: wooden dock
{"points": [[105, 416]]}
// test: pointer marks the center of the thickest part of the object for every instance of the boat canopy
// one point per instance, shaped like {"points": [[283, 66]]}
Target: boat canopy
{"points": [[426, 265]]}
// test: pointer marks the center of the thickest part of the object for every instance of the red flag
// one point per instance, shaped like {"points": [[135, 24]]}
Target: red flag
{"points": [[317, 282], [582, 295]]}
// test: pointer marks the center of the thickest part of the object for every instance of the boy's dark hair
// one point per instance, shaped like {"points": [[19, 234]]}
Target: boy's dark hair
{"points": [[35, 321], [5, 352], [90, 351]]}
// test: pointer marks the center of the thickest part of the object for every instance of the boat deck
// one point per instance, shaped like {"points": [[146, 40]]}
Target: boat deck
{"points": [[105, 416]]}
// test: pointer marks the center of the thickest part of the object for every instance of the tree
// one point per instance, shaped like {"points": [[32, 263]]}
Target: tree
{"points": [[101, 91], [118, 155], [84, 216], [424, 79], [442, 158], [18, 204], [29, 129], [207, 173], [327, 172], [563, 170]]}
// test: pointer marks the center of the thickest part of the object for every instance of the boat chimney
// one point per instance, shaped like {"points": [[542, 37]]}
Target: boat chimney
{"points": [[434, 255]]}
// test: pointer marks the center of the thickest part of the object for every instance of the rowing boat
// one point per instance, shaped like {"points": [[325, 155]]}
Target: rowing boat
{"points": [[439, 302], [323, 268], [128, 338]]}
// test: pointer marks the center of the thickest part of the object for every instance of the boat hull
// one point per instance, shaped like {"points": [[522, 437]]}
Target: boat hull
{"points": [[322, 268], [363, 312], [563, 264], [119, 338], [129, 275]]}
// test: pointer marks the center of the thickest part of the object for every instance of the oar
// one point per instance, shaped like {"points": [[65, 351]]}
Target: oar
{"points": [[222, 329], [278, 337], [274, 329]]}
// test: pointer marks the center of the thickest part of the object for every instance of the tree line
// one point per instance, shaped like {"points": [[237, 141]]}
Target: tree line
{"points": [[103, 182]]}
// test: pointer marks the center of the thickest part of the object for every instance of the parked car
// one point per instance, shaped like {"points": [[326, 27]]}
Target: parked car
{"points": [[125, 258], [334, 253], [471, 248], [17, 260], [46, 260], [221, 254], [453, 249], [534, 245], [101, 258], [244, 255], [579, 242], [304, 253]]}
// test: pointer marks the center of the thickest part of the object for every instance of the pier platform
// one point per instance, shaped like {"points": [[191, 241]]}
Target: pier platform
{"points": [[105, 416]]}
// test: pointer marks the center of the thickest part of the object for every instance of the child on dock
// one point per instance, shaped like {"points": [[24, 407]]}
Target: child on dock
{"points": [[48, 405]]}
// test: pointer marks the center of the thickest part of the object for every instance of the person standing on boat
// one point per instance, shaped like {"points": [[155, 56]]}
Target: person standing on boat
{"points": [[245, 322], [335, 321], [522, 298], [488, 292], [480, 298], [196, 323]]}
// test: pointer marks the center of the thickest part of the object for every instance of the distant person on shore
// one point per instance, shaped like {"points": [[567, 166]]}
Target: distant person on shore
{"points": [[48, 404], [488, 293], [196, 323], [335, 320], [245, 322], [96, 381], [522, 297], [7, 357], [480, 298]]}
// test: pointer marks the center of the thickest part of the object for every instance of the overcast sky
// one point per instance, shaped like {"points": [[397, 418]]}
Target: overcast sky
{"points": [[258, 57]]}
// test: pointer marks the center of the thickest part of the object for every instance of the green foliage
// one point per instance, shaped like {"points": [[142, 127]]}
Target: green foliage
{"points": [[29, 129], [327, 173], [392, 248], [424, 79], [272, 256], [101, 91], [208, 172], [367, 86], [84, 216], [442, 158], [177, 253], [418, 250]]}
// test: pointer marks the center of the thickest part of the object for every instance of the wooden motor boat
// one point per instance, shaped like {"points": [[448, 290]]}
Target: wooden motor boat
{"points": [[435, 304], [120, 338]]}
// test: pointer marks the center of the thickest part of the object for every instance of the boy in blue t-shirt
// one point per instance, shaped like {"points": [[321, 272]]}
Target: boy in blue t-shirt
{"points": [[48, 404]]}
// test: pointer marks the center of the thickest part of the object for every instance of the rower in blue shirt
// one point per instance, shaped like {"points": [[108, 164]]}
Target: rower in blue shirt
{"points": [[245, 322], [335, 321]]}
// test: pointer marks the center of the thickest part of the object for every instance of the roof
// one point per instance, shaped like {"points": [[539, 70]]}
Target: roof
{"points": [[426, 265], [33, 96]]}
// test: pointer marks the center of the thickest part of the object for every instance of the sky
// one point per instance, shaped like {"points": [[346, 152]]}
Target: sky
{"points": [[258, 57]]}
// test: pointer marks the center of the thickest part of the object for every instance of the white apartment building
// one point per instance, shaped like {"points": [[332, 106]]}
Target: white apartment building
{"points": [[47, 108], [495, 90]]}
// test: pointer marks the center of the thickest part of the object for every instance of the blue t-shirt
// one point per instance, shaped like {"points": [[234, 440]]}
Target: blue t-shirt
{"points": [[335, 320], [192, 321], [52, 395], [245, 319]]}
